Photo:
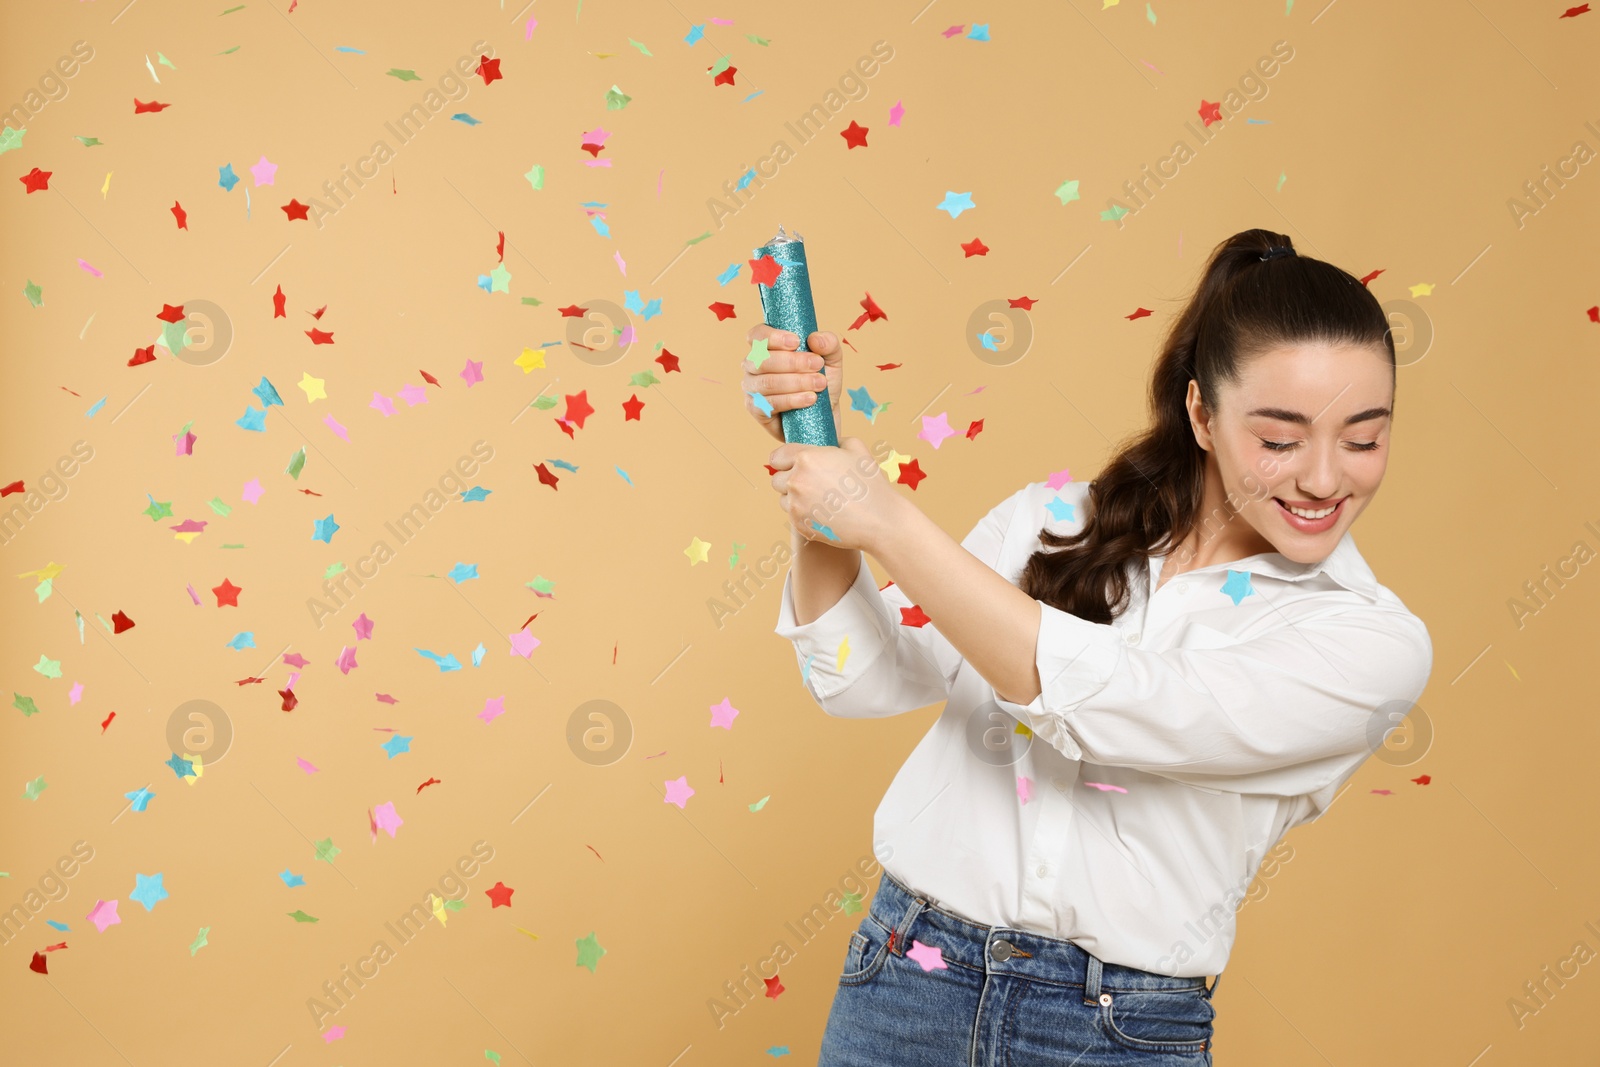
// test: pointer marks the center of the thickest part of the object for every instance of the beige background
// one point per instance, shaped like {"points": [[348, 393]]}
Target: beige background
{"points": [[1396, 934]]}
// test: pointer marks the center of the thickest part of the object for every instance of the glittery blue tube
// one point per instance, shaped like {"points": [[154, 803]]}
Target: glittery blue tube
{"points": [[786, 305]]}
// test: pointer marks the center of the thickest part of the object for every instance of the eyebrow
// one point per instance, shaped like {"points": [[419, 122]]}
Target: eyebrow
{"points": [[1284, 415]]}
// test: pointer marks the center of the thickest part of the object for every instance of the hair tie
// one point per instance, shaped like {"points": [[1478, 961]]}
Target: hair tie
{"points": [[1275, 251]]}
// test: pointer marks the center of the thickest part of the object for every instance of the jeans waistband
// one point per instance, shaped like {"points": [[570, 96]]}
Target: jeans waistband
{"points": [[913, 916]]}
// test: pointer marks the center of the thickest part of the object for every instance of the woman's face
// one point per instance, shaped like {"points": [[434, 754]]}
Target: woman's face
{"points": [[1306, 428]]}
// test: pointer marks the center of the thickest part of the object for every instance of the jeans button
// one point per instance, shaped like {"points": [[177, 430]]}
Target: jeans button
{"points": [[1001, 951], [1105, 998]]}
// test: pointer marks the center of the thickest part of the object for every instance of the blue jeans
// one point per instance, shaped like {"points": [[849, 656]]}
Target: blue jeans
{"points": [[1005, 998]]}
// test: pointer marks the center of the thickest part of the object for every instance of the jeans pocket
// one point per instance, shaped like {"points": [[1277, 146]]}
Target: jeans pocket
{"points": [[868, 951], [1158, 1020]]}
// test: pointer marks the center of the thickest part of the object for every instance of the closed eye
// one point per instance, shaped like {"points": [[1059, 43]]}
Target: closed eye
{"points": [[1280, 446]]}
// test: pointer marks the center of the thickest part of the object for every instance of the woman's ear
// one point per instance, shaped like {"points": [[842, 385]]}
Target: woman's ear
{"points": [[1199, 417]]}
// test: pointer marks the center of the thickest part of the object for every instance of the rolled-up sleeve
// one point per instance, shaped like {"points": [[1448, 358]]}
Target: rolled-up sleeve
{"points": [[1291, 712], [859, 660]]}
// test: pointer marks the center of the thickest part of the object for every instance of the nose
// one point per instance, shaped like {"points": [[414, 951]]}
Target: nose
{"points": [[1320, 480]]}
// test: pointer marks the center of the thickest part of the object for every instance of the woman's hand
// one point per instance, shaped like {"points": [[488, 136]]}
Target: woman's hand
{"points": [[791, 379], [840, 492]]}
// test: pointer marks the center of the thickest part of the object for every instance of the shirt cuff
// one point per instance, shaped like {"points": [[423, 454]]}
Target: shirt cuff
{"points": [[860, 616], [1075, 660]]}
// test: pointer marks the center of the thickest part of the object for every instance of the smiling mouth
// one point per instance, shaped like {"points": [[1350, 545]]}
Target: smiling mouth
{"points": [[1311, 514]]}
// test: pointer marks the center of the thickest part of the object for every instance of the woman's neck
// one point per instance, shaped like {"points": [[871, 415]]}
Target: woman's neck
{"points": [[1219, 535]]}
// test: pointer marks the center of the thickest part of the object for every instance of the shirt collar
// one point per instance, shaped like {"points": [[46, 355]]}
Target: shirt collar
{"points": [[1343, 565]]}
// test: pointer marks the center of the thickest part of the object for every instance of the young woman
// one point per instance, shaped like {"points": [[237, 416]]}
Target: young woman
{"points": [[1148, 679]]}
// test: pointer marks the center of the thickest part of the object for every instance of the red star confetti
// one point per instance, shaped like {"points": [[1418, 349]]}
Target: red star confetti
{"points": [[774, 987], [317, 314], [545, 477], [430, 781], [573, 311], [320, 337], [721, 310], [500, 894], [277, 304], [430, 379], [1024, 302], [974, 428], [668, 361], [290, 701], [489, 69], [975, 247], [1211, 112], [631, 408], [1574, 12], [1371, 276], [227, 594], [1138, 313], [139, 106], [143, 355], [913, 616], [911, 474], [107, 721], [1422, 779], [855, 135], [295, 209], [120, 622], [36, 179], [169, 313], [578, 408], [872, 313], [724, 78], [764, 271], [181, 215]]}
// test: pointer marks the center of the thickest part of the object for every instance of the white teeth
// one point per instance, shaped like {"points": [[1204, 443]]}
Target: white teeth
{"points": [[1304, 514]]}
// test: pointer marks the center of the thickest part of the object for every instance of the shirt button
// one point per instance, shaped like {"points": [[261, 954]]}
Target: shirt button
{"points": [[1001, 951], [1183, 587], [1132, 639], [1042, 870]]}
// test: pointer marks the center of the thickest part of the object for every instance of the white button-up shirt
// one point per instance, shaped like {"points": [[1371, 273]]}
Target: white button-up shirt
{"points": [[1128, 806]]}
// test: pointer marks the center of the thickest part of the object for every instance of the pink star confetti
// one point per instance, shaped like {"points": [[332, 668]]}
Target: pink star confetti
{"points": [[104, 914], [386, 819], [493, 708], [523, 643], [929, 956], [723, 714], [264, 172], [678, 791], [935, 428]]}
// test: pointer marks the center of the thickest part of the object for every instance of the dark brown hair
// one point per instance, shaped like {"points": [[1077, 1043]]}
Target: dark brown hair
{"points": [[1147, 499]]}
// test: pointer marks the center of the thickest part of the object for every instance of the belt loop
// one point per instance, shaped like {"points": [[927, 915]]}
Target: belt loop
{"points": [[912, 911], [1091, 980], [1212, 991]]}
